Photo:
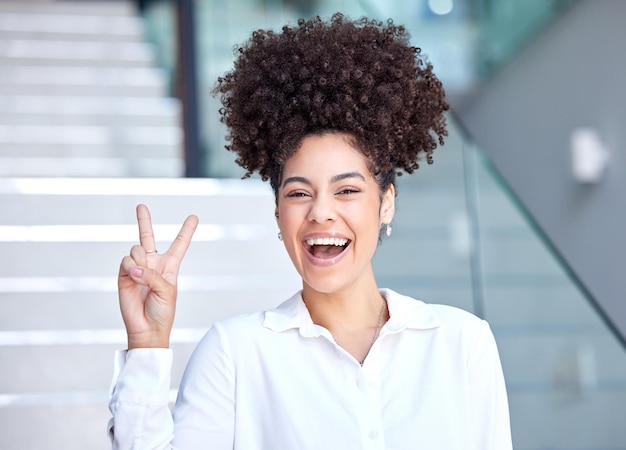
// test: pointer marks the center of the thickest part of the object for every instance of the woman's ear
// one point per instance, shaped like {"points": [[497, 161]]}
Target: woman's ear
{"points": [[388, 205]]}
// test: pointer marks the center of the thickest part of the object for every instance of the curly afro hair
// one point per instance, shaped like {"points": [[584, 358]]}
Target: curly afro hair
{"points": [[358, 77]]}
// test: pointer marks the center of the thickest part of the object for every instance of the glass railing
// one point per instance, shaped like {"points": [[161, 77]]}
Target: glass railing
{"points": [[460, 237], [564, 366]]}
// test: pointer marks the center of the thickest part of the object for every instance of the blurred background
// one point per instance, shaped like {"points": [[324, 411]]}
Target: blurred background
{"points": [[521, 220]]}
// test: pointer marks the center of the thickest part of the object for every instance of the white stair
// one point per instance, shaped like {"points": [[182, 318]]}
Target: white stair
{"points": [[60, 323], [80, 94]]}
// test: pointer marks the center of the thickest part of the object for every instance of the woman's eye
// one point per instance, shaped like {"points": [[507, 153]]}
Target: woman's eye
{"points": [[348, 191], [297, 194]]}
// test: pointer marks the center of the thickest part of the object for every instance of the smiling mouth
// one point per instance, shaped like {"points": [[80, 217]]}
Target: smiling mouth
{"points": [[327, 248]]}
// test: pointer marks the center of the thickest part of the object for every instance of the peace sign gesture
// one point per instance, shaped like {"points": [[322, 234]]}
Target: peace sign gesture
{"points": [[147, 284]]}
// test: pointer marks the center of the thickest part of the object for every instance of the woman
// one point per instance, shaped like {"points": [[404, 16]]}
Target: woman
{"points": [[328, 112]]}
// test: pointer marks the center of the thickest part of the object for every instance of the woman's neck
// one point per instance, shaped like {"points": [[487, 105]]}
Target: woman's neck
{"points": [[354, 316], [353, 307]]}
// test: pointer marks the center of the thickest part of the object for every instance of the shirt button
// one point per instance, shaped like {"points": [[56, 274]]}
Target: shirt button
{"points": [[373, 435]]}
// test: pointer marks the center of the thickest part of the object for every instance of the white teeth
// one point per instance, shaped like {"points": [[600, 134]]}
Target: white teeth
{"points": [[327, 241]]}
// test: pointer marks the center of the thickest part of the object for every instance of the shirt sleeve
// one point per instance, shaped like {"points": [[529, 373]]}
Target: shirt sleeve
{"points": [[490, 406], [204, 413], [139, 400]]}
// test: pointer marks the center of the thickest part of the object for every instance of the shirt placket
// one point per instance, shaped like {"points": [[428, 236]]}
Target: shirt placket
{"points": [[366, 385]]}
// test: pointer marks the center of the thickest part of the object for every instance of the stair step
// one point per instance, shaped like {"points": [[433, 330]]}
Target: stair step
{"points": [[77, 119], [217, 257], [33, 422], [100, 310], [102, 201], [60, 105], [75, 53], [100, 8], [87, 135], [70, 27], [54, 365], [43, 61], [55, 110], [91, 167], [72, 156], [83, 81], [132, 152], [154, 90], [83, 76]]}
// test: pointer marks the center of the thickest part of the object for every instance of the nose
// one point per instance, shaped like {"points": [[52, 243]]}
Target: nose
{"points": [[322, 209]]}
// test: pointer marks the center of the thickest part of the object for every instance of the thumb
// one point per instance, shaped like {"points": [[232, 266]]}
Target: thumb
{"points": [[153, 280]]}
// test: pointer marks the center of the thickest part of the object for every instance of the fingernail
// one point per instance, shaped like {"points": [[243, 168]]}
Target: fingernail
{"points": [[136, 272]]}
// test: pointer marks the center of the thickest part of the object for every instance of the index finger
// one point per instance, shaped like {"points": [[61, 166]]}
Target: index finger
{"points": [[146, 235], [183, 239]]}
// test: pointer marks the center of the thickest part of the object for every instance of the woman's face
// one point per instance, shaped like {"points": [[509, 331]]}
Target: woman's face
{"points": [[330, 211]]}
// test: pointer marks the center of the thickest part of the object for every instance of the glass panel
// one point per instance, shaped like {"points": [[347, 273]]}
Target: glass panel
{"points": [[565, 370], [428, 255]]}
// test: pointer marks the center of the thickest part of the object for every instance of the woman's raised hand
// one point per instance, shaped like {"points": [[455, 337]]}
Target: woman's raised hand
{"points": [[147, 284]]}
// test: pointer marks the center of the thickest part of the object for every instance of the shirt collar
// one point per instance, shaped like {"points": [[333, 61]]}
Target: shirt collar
{"points": [[404, 312]]}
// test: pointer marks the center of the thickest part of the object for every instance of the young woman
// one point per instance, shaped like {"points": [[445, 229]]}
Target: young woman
{"points": [[328, 112]]}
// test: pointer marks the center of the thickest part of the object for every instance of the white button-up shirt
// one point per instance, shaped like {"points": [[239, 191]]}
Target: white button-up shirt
{"points": [[274, 380]]}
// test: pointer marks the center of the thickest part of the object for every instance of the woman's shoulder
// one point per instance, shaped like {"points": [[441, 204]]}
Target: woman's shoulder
{"points": [[254, 323], [238, 337], [458, 331], [242, 325], [433, 315], [454, 315]]}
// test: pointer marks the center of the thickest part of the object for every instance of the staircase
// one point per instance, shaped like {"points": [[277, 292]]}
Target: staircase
{"points": [[80, 95], [60, 321]]}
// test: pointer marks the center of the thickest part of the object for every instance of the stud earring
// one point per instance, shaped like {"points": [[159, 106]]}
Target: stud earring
{"points": [[280, 236], [388, 229]]}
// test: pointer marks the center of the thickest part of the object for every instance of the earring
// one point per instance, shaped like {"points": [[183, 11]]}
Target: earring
{"points": [[388, 229], [280, 236]]}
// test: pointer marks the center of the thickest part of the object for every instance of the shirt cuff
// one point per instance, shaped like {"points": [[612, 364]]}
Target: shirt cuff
{"points": [[142, 376]]}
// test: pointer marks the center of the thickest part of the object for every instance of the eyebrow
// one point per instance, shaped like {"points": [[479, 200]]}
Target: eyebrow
{"points": [[334, 179]]}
